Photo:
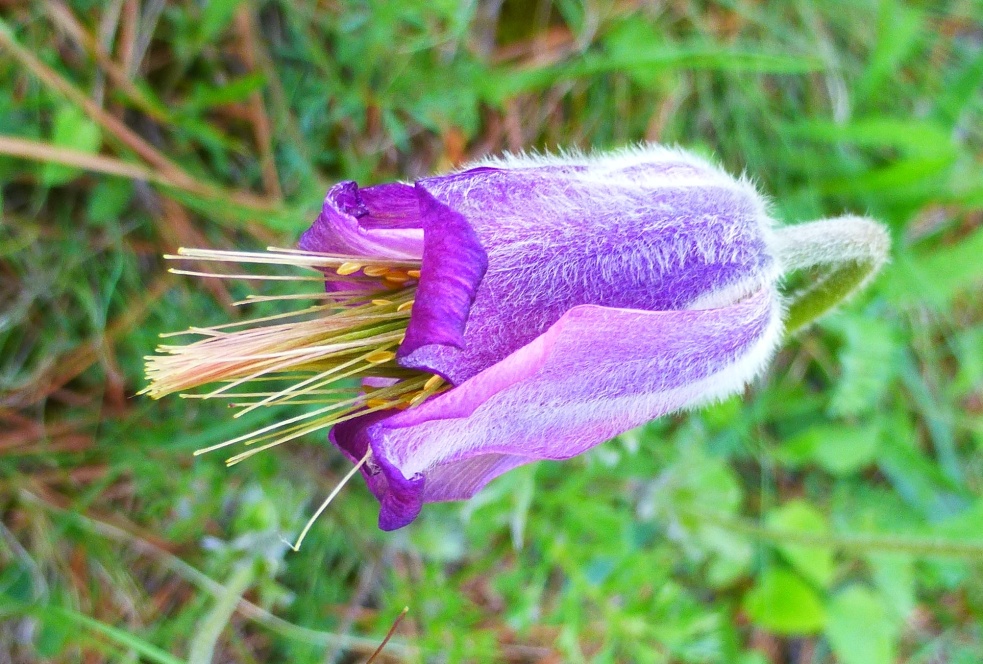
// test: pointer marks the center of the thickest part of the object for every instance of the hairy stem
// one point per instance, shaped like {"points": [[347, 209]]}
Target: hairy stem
{"points": [[849, 251]]}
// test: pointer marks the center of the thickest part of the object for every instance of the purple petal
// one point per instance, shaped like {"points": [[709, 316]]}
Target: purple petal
{"points": [[377, 222], [595, 373], [453, 265], [399, 499], [654, 230]]}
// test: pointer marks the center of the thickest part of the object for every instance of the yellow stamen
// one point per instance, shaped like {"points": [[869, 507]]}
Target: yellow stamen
{"points": [[348, 268], [379, 356], [308, 356], [375, 270], [397, 277]]}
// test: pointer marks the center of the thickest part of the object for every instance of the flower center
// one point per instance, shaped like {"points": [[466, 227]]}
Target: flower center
{"points": [[336, 355]]}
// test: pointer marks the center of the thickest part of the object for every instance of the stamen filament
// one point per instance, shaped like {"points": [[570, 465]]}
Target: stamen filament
{"points": [[327, 501], [268, 277], [350, 331]]}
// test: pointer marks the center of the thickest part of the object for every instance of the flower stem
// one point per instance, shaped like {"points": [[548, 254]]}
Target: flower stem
{"points": [[861, 543], [847, 250]]}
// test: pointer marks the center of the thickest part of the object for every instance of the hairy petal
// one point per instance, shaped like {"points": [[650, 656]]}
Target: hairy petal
{"points": [[652, 230], [453, 266], [596, 372], [376, 222]]}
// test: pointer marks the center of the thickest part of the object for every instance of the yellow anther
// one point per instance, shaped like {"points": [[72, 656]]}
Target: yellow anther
{"points": [[376, 270], [413, 273], [377, 403], [379, 356], [397, 277], [348, 268], [405, 306], [381, 303], [418, 397], [432, 383]]}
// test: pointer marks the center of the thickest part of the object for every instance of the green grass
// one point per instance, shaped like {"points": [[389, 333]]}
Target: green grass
{"points": [[834, 513]]}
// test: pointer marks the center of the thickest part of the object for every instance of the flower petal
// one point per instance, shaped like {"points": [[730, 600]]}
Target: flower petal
{"points": [[651, 230], [595, 373], [400, 499], [453, 266], [376, 222]]}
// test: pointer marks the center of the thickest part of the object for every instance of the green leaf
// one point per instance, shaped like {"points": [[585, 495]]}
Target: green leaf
{"points": [[859, 629], [954, 268], [812, 562], [236, 90], [215, 17], [51, 638], [924, 137], [909, 179], [969, 356], [782, 603], [509, 83], [108, 200], [126, 639], [961, 90], [869, 360], [898, 31], [74, 130], [841, 450], [894, 576]]}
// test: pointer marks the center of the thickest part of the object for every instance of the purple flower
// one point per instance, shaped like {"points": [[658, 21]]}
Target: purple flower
{"points": [[525, 308], [566, 299]]}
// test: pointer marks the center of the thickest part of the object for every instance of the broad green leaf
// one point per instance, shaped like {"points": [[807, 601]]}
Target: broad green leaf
{"points": [[798, 516], [72, 129], [839, 449], [783, 603], [848, 449], [859, 629], [894, 576]]}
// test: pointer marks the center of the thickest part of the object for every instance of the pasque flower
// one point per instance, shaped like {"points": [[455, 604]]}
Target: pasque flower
{"points": [[526, 308]]}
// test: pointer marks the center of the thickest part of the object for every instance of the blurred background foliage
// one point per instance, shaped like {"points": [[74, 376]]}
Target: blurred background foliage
{"points": [[834, 513]]}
